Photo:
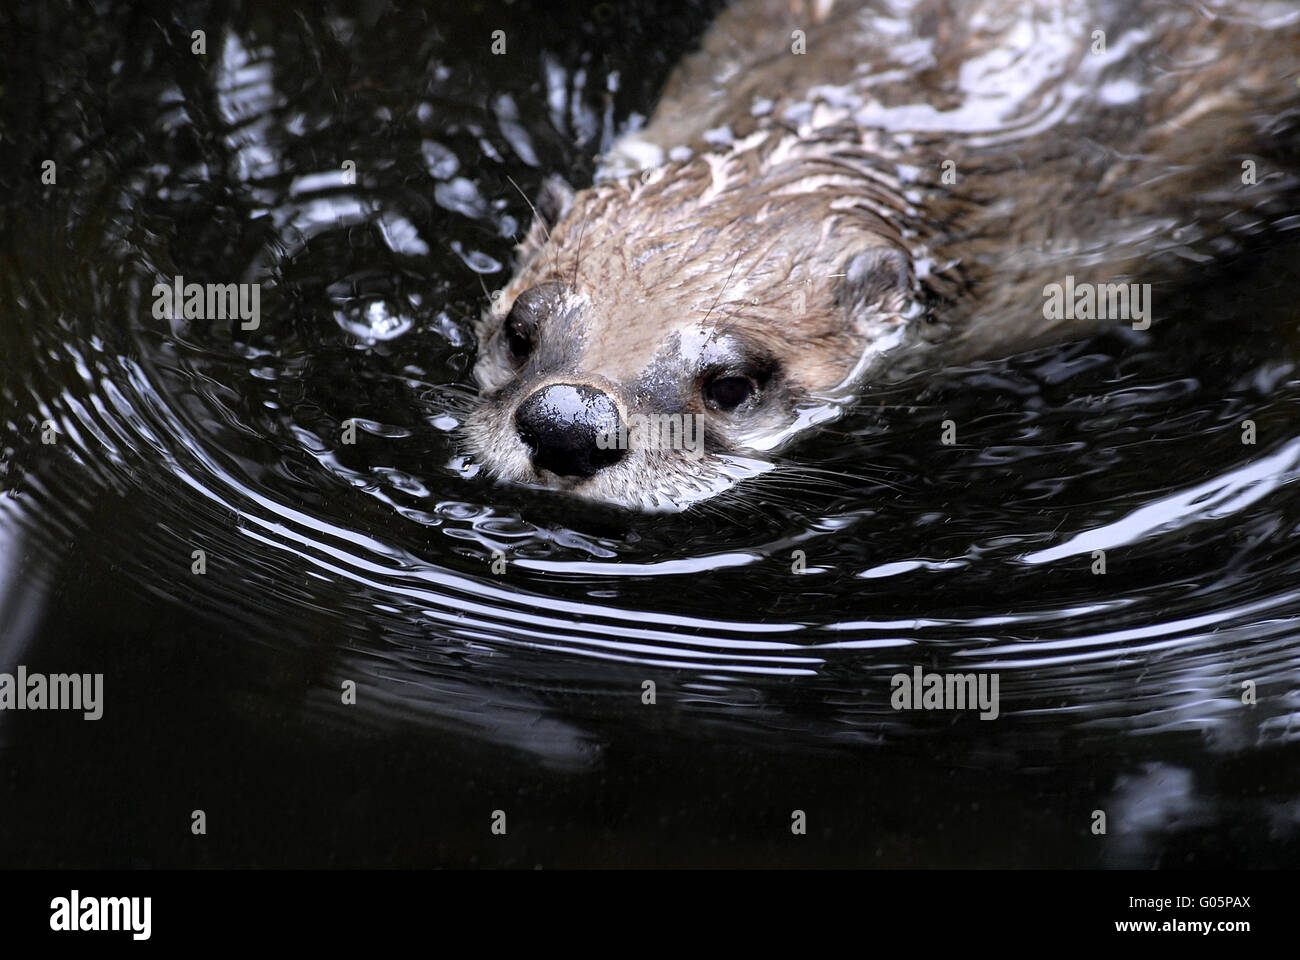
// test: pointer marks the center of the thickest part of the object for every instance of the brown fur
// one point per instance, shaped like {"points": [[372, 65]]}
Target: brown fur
{"points": [[820, 227]]}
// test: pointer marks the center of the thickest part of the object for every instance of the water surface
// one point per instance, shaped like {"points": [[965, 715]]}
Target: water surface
{"points": [[522, 690]]}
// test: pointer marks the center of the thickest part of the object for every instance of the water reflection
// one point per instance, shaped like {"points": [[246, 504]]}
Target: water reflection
{"points": [[374, 560]]}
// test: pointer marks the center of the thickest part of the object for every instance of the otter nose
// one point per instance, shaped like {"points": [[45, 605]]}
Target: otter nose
{"points": [[564, 425]]}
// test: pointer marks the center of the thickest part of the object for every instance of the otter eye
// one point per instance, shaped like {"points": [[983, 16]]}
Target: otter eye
{"points": [[521, 332], [727, 393], [524, 320]]}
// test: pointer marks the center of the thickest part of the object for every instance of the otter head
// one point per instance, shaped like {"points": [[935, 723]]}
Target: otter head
{"points": [[662, 333]]}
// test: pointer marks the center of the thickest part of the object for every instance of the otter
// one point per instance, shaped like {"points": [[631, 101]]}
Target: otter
{"points": [[834, 195]]}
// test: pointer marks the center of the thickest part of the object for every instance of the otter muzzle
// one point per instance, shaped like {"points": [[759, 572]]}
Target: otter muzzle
{"points": [[562, 424]]}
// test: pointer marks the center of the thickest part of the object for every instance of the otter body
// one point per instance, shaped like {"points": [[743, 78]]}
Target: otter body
{"points": [[791, 226]]}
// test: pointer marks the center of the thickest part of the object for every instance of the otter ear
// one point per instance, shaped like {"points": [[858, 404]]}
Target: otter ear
{"points": [[553, 202], [880, 276]]}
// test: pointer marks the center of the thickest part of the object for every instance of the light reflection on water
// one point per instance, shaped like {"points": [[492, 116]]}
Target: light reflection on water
{"points": [[377, 557]]}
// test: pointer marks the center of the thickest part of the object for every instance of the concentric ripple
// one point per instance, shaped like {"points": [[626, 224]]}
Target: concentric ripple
{"points": [[1107, 535]]}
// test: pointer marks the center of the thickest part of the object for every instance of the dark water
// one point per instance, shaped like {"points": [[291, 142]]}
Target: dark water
{"points": [[521, 691]]}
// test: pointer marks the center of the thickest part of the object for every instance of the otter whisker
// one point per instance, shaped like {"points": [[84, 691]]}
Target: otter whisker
{"points": [[837, 480], [577, 258], [723, 290], [537, 219]]}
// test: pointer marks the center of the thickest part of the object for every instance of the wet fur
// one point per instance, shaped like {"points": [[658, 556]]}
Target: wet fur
{"points": [[822, 235]]}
